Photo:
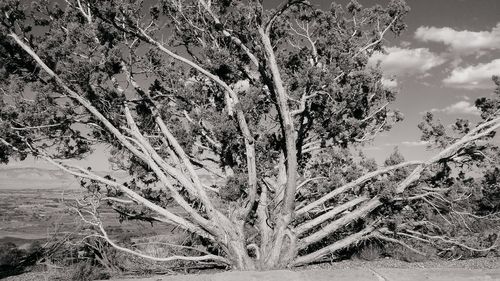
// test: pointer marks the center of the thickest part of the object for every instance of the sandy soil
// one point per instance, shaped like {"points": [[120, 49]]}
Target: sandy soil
{"points": [[349, 274], [381, 270]]}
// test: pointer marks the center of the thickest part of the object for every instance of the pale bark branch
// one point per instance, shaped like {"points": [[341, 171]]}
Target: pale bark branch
{"points": [[72, 94], [353, 184], [287, 126], [302, 184], [227, 33], [340, 244], [287, 4], [154, 161], [231, 101], [473, 135], [263, 217], [375, 112], [308, 225], [167, 259], [454, 242], [375, 202], [172, 218], [396, 241], [199, 189], [381, 37], [339, 223]]}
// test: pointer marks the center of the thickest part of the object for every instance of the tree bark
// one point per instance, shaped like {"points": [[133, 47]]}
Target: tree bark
{"points": [[287, 125]]}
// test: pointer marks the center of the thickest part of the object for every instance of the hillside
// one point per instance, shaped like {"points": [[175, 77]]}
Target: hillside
{"points": [[35, 178]]}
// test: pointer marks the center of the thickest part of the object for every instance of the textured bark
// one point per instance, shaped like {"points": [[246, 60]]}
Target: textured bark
{"points": [[288, 130]]}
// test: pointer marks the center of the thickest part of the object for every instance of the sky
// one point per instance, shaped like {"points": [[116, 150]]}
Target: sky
{"points": [[441, 63]]}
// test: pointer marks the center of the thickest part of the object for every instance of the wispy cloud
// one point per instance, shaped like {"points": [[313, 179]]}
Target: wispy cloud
{"points": [[407, 143], [474, 76], [406, 61], [414, 143], [461, 107], [390, 83], [461, 41]]}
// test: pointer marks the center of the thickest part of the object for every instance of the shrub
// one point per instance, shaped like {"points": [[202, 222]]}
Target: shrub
{"points": [[370, 251], [404, 254], [85, 271]]}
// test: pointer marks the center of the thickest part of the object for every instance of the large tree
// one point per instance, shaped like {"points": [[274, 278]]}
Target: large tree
{"points": [[275, 103]]}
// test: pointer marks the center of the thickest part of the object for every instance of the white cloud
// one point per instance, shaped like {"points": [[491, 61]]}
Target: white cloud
{"points": [[415, 143], [401, 61], [408, 143], [474, 76], [389, 83], [461, 41], [405, 44], [461, 107]]}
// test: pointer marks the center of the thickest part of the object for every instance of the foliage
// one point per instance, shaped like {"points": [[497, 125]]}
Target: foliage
{"points": [[85, 271]]}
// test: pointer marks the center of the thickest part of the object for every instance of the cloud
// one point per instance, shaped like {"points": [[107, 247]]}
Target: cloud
{"points": [[461, 107], [406, 61], [405, 44], [389, 83], [462, 41], [474, 76], [408, 143], [414, 143]]}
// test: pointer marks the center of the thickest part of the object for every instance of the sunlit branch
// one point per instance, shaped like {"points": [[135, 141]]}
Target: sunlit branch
{"points": [[352, 184]]}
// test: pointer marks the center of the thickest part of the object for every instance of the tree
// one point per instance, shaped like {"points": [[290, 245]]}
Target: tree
{"points": [[274, 103]]}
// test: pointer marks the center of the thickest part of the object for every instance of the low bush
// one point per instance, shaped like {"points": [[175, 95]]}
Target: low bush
{"points": [[86, 271]]}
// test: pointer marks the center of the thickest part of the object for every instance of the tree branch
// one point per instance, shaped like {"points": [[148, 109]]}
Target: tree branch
{"points": [[337, 224], [308, 225], [352, 184], [340, 244], [172, 218]]}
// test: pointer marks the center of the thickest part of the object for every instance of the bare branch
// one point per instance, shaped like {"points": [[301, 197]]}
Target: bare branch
{"points": [[287, 4], [381, 37], [167, 259], [308, 225], [352, 184], [231, 100], [227, 33], [475, 134], [454, 242], [172, 218], [396, 241], [337, 224], [340, 244]]}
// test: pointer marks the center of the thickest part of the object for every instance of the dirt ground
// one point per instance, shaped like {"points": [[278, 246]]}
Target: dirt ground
{"points": [[380, 270], [348, 274]]}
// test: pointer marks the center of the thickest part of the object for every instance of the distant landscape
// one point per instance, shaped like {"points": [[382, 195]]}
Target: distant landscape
{"points": [[16, 179], [33, 206]]}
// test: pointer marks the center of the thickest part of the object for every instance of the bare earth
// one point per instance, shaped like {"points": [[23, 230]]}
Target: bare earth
{"points": [[383, 270], [351, 274]]}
